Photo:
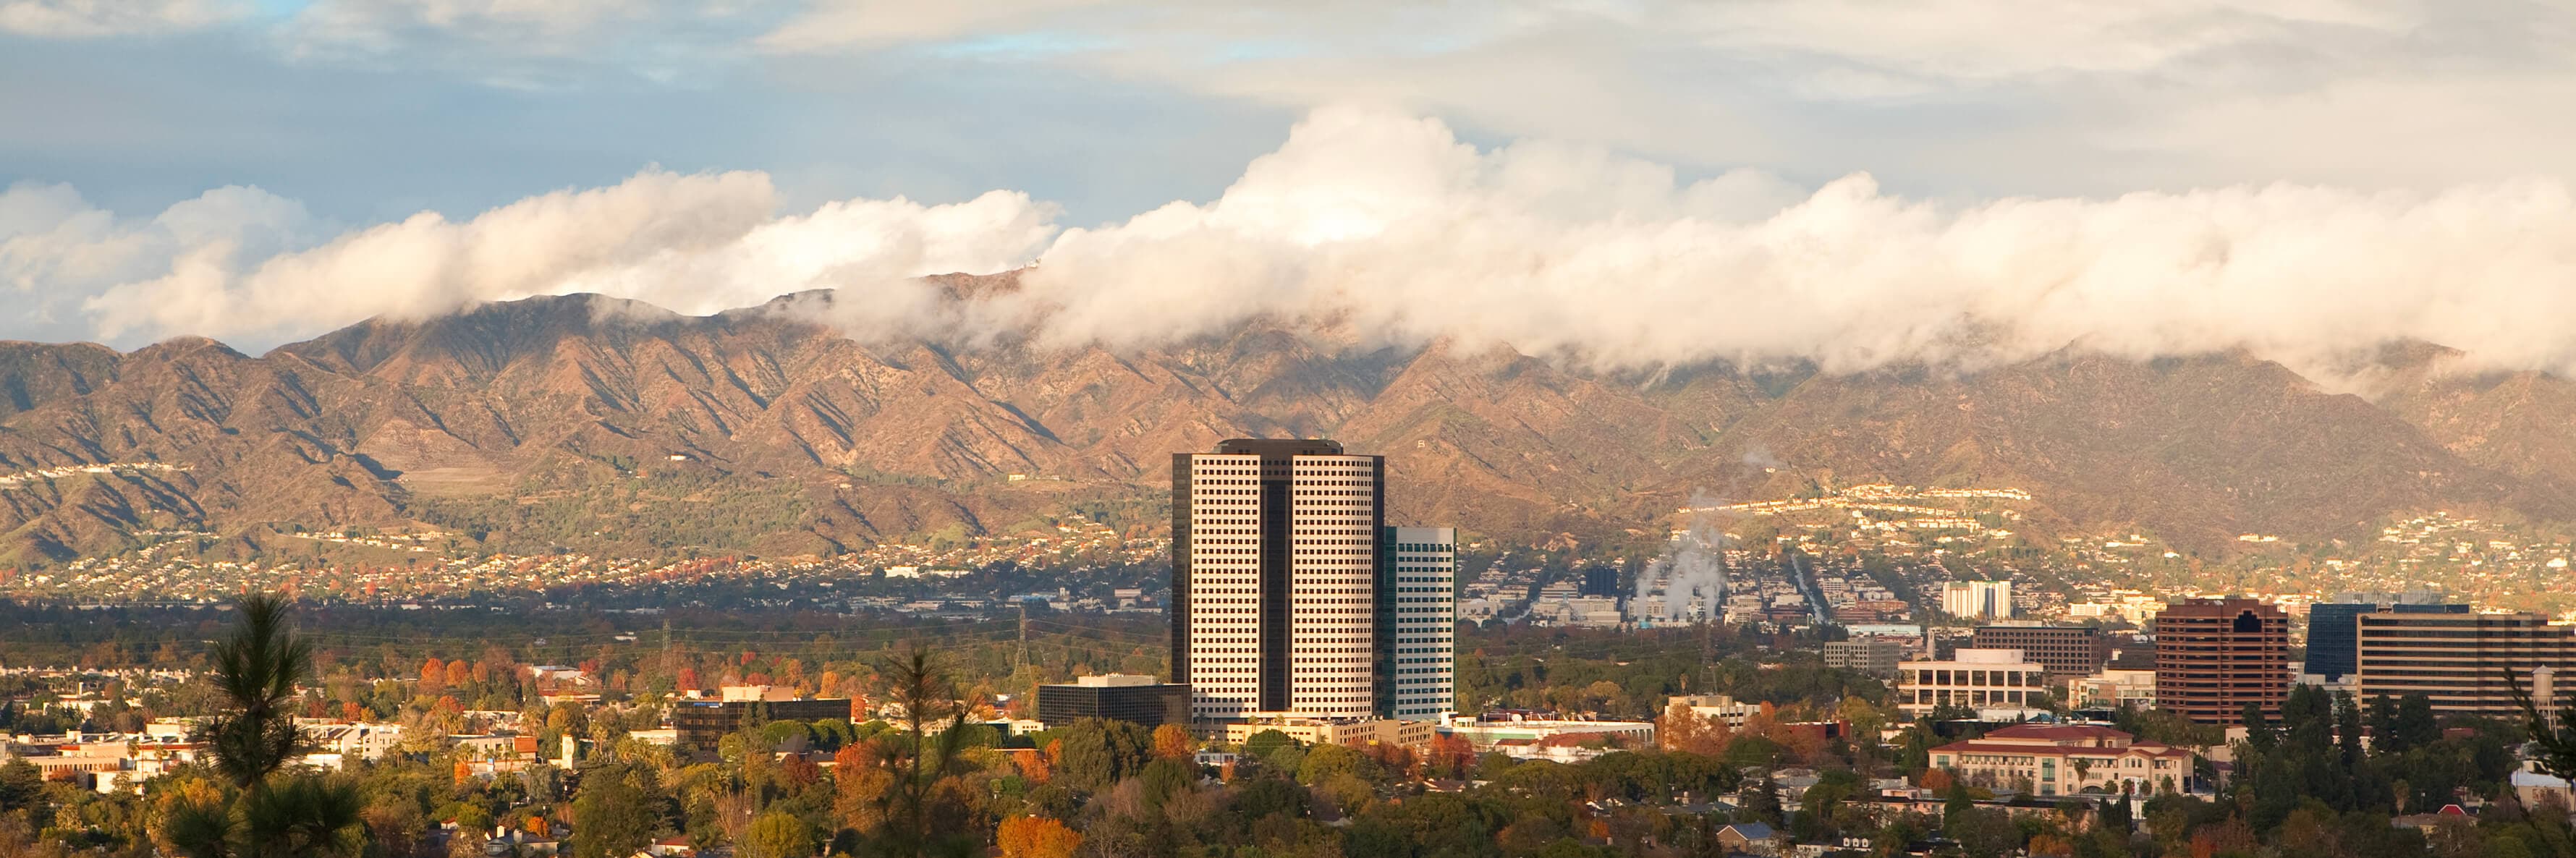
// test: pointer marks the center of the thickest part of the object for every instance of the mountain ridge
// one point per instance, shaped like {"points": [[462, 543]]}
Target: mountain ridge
{"points": [[597, 423]]}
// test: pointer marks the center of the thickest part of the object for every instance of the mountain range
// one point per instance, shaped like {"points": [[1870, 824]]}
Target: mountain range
{"points": [[589, 423]]}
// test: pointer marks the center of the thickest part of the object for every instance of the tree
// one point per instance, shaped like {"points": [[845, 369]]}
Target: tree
{"points": [[1450, 757], [1261, 744], [1326, 760], [1099, 753], [2404, 723], [1166, 778], [1173, 742], [1984, 832], [1816, 808], [1036, 837], [2347, 726], [1681, 729], [2258, 729], [1760, 800], [778, 834], [20, 784], [613, 813], [859, 785], [265, 811], [919, 683]]}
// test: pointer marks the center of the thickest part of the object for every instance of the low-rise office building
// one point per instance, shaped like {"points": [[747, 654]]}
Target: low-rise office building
{"points": [[700, 724], [1872, 655], [1486, 733], [1354, 732], [2067, 651], [1972, 678], [1719, 707], [2113, 688], [1126, 697]]}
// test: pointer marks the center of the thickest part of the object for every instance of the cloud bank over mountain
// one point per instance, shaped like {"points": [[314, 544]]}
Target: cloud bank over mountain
{"points": [[1386, 227]]}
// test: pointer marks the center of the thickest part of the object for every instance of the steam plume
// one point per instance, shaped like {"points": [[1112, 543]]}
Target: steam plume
{"points": [[1691, 571]]}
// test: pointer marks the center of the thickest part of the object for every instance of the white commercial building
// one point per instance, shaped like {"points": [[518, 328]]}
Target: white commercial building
{"points": [[1718, 707], [1418, 613], [2113, 688], [1974, 678], [1977, 599]]}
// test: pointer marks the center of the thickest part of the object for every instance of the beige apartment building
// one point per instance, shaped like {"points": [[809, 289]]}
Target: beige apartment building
{"points": [[2467, 664], [1355, 732]]}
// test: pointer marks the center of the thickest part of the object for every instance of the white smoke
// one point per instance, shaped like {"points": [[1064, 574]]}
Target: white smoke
{"points": [[1388, 227], [1691, 572]]}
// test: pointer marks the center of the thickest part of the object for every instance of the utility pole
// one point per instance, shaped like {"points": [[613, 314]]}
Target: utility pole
{"points": [[666, 650], [1024, 638]]}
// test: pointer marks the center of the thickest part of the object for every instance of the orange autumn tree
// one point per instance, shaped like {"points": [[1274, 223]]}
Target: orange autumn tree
{"points": [[1033, 764], [1451, 757], [859, 784], [1173, 742], [1036, 837], [1684, 730]]}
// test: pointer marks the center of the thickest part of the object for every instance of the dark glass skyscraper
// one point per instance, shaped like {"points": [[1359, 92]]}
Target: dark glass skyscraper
{"points": [[2334, 634]]}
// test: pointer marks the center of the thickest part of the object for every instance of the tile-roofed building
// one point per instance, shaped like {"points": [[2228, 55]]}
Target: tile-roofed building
{"points": [[2057, 759]]}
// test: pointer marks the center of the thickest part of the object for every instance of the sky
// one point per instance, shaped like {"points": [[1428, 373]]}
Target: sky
{"points": [[1623, 183]]}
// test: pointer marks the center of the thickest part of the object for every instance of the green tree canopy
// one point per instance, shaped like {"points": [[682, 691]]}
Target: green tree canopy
{"points": [[613, 812], [1099, 753]]}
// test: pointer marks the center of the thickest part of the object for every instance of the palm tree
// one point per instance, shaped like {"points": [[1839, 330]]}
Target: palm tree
{"points": [[266, 810]]}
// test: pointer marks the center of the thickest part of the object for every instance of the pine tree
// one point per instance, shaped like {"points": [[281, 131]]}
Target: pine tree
{"points": [[1760, 801], [266, 811]]}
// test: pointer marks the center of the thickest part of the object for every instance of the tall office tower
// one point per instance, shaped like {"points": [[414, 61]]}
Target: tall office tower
{"points": [[2334, 633], [2462, 661], [1417, 621], [1977, 599], [1274, 578], [2213, 656]]}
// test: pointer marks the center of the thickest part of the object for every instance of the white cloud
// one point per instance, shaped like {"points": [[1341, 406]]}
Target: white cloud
{"points": [[841, 23], [1942, 96], [533, 26], [1384, 226], [2086, 97], [1990, 40], [695, 243], [88, 19], [53, 241]]}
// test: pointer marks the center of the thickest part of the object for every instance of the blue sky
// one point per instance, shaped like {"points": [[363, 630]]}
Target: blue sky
{"points": [[354, 115]]}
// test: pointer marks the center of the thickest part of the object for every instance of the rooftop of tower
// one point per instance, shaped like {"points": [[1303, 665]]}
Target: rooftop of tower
{"points": [[1279, 447]]}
